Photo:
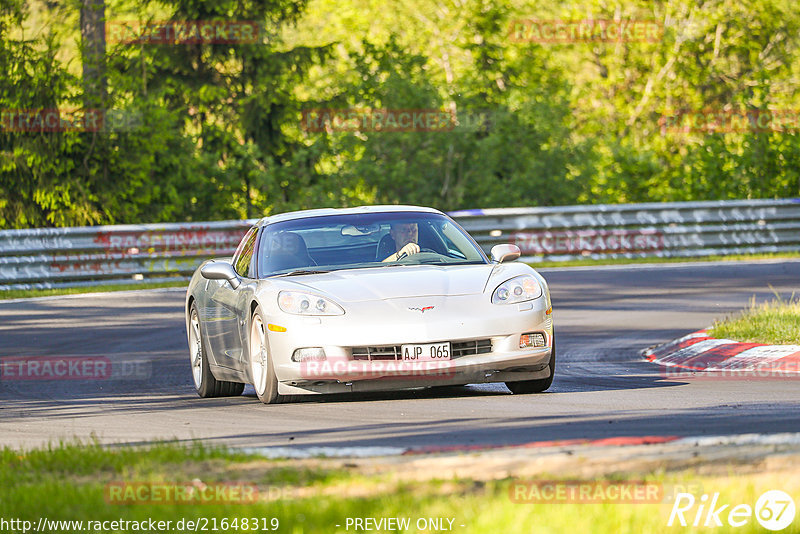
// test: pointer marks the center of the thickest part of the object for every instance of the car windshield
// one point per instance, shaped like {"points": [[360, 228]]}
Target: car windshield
{"points": [[365, 240]]}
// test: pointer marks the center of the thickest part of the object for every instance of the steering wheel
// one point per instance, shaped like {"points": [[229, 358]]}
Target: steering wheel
{"points": [[421, 249]]}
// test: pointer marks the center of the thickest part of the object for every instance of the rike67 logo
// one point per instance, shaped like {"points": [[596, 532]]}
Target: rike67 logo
{"points": [[774, 510]]}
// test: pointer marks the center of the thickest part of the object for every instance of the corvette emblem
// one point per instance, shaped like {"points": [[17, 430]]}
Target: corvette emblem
{"points": [[423, 310]]}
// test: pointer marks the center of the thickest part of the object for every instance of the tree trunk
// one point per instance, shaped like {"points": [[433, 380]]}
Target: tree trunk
{"points": [[93, 40], [95, 83]]}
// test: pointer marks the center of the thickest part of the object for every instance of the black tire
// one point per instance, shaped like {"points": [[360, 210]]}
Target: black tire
{"points": [[205, 383], [262, 371], [524, 387]]}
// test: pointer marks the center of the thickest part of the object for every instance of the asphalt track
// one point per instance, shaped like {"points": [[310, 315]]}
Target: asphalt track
{"points": [[603, 388]]}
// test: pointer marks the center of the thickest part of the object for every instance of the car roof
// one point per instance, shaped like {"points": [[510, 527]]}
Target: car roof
{"points": [[305, 214]]}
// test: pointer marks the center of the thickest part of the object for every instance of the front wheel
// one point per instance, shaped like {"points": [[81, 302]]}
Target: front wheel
{"points": [[536, 386], [204, 382], [263, 372]]}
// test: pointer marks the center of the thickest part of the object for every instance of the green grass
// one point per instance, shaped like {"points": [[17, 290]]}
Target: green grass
{"points": [[28, 293], [775, 322], [68, 482]]}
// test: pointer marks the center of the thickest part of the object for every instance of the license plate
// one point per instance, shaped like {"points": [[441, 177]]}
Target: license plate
{"points": [[431, 352]]}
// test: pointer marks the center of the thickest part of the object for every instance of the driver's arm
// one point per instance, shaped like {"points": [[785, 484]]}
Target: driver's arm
{"points": [[408, 250]]}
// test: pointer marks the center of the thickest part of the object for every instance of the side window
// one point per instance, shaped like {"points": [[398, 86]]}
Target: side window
{"points": [[447, 241], [244, 253]]}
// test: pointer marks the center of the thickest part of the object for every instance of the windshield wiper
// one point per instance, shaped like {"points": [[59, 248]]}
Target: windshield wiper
{"points": [[300, 272]]}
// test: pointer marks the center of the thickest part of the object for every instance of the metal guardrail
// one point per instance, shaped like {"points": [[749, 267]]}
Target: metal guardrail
{"points": [[65, 257], [98, 255], [677, 229]]}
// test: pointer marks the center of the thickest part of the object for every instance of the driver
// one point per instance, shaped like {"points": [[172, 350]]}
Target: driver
{"points": [[405, 236]]}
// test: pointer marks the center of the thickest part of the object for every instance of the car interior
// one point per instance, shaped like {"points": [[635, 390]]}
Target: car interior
{"points": [[373, 250]]}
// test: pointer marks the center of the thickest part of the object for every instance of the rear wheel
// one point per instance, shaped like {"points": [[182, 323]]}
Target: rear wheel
{"points": [[204, 382], [264, 380], [536, 386]]}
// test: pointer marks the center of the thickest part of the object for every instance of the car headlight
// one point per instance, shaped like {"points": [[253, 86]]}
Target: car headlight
{"points": [[518, 289], [300, 303]]}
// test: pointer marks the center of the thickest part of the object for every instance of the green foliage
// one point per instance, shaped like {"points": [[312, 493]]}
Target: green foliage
{"points": [[34, 185]]}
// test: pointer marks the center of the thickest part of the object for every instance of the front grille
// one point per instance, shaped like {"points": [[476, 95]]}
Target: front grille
{"points": [[393, 352], [467, 348]]}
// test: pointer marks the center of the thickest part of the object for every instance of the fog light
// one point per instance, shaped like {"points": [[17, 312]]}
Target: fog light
{"points": [[308, 354], [531, 340]]}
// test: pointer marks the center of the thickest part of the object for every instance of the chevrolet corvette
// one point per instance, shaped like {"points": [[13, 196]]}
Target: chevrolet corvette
{"points": [[366, 299]]}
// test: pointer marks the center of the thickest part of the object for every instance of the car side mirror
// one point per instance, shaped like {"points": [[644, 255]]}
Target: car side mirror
{"points": [[221, 270], [501, 253]]}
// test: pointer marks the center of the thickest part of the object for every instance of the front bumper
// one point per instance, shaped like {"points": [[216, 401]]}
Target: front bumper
{"points": [[394, 322]]}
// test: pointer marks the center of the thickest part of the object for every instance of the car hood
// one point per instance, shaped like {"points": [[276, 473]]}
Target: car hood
{"points": [[383, 283]]}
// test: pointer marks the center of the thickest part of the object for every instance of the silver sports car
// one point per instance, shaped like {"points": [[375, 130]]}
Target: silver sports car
{"points": [[365, 299]]}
